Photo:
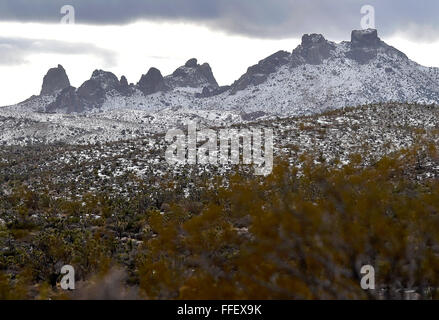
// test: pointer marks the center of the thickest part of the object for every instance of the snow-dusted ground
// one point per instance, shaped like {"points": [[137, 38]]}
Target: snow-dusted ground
{"points": [[19, 127], [374, 131]]}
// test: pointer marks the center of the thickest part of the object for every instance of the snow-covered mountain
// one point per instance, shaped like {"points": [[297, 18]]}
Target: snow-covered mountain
{"points": [[105, 91], [318, 75]]}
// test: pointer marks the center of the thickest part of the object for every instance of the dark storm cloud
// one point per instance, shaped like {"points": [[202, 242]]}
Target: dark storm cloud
{"points": [[14, 51], [258, 18]]}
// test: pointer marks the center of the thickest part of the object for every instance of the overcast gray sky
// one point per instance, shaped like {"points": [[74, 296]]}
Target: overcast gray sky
{"points": [[256, 18], [127, 37]]}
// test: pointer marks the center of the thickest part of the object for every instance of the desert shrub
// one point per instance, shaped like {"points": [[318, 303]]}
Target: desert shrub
{"points": [[301, 234]]}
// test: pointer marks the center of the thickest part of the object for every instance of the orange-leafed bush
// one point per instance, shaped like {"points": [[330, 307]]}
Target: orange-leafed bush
{"points": [[301, 235]]}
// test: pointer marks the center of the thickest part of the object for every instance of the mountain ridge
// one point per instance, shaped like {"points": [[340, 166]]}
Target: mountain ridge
{"points": [[316, 76]]}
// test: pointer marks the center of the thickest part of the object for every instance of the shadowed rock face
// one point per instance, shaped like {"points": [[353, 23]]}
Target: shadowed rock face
{"points": [[67, 101], [314, 49], [55, 80], [259, 73], [208, 92], [124, 87], [206, 71], [192, 75], [365, 38], [365, 45], [191, 63], [152, 82], [92, 92]]}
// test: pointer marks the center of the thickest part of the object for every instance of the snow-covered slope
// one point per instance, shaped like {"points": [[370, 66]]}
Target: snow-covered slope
{"points": [[321, 75], [333, 137], [318, 75], [343, 78]]}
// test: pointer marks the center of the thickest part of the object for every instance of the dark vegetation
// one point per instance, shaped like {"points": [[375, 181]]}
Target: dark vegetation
{"points": [[296, 234], [133, 227]]}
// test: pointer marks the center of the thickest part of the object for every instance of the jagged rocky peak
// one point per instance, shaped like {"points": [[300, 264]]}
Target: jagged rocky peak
{"points": [[55, 80], [314, 49], [206, 71], [310, 40], [92, 92], [124, 87], [152, 82], [365, 38], [192, 75], [106, 80], [123, 81], [191, 63], [100, 82]]}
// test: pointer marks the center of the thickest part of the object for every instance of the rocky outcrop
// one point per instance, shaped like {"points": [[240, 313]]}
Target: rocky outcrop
{"points": [[365, 39], [191, 63], [317, 74], [152, 82], [365, 45], [259, 73], [209, 92], [91, 94], [206, 71], [124, 87], [67, 102], [192, 75], [55, 80], [314, 49]]}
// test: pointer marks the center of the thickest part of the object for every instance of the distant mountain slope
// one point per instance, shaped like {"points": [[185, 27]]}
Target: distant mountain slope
{"points": [[373, 130], [318, 75]]}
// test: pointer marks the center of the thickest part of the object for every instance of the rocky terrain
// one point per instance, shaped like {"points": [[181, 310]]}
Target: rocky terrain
{"points": [[109, 128], [333, 137], [319, 75], [84, 181]]}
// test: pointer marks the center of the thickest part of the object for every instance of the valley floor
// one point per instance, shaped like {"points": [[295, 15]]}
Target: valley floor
{"points": [[350, 187]]}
